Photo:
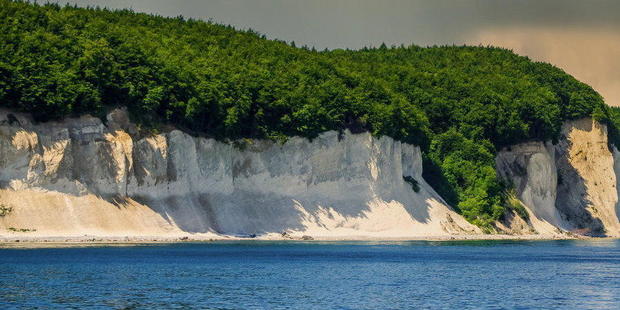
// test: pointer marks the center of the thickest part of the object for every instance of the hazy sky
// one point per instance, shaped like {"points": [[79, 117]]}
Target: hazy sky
{"points": [[582, 37]]}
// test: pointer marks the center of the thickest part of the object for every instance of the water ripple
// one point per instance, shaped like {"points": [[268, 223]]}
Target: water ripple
{"points": [[329, 275]]}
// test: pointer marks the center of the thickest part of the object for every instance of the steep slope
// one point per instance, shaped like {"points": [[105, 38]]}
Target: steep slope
{"points": [[587, 195], [80, 176], [571, 185], [531, 169]]}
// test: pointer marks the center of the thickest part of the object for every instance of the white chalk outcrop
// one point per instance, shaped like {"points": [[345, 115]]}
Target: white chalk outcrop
{"points": [[531, 169], [571, 185], [81, 177]]}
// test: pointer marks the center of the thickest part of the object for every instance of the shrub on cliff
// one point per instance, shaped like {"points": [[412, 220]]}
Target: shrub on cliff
{"points": [[5, 210], [215, 80]]}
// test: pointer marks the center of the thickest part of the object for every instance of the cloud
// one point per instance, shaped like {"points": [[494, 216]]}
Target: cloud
{"points": [[591, 55]]}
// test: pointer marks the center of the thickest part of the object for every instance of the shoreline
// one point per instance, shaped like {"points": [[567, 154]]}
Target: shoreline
{"points": [[63, 241]]}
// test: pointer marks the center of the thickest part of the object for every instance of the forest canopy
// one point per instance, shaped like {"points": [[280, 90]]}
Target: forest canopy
{"points": [[459, 103]]}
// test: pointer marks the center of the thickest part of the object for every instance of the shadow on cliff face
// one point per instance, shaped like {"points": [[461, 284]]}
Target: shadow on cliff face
{"points": [[247, 214], [201, 213], [572, 198], [571, 202], [191, 213]]}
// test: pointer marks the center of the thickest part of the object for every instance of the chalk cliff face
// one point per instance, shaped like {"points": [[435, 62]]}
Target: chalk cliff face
{"points": [[80, 176], [531, 169], [571, 185]]}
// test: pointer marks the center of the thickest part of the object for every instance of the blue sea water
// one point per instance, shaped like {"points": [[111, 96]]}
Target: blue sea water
{"points": [[316, 275]]}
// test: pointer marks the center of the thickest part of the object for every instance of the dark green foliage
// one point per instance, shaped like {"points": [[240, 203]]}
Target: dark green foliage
{"points": [[520, 210], [513, 203], [13, 229], [5, 210], [469, 169], [611, 117], [413, 182], [460, 104]]}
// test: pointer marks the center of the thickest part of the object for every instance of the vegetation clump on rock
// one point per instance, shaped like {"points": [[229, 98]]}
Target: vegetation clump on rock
{"points": [[5, 210]]}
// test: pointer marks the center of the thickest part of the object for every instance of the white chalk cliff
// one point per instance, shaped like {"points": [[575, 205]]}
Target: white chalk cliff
{"points": [[570, 186], [81, 177]]}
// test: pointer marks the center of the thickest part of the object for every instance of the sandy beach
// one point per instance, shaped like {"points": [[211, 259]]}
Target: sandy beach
{"points": [[62, 241]]}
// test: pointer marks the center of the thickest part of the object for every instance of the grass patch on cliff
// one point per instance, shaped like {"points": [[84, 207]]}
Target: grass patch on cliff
{"points": [[513, 203], [5, 210], [23, 230]]}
